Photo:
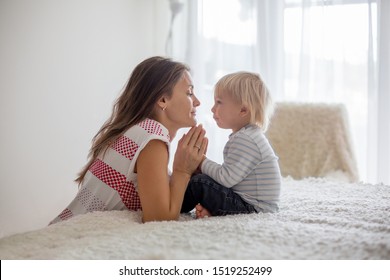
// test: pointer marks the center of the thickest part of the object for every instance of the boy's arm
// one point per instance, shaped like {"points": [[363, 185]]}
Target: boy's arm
{"points": [[241, 157]]}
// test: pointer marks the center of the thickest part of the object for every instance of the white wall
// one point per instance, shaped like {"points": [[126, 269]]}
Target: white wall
{"points": [[62, 64]]}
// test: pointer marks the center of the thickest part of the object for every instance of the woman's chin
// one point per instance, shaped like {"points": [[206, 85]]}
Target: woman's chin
{"points": [[189, 123], [194, 121]]}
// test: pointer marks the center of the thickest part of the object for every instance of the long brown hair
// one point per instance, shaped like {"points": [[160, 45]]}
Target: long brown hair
{"points": [[149, 81]]}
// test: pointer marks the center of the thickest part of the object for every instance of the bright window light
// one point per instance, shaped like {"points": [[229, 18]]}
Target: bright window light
{"points": [[229, 22]]}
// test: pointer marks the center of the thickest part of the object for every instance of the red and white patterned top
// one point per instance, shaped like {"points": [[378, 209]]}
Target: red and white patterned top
{"points": [[110, 183]]}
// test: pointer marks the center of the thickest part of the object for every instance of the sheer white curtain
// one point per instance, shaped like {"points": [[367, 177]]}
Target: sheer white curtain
{"points": [[315, 51], [379, 102]]}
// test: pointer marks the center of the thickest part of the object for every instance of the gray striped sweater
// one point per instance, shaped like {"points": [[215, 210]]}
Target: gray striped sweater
{"points": [[250, 168]]}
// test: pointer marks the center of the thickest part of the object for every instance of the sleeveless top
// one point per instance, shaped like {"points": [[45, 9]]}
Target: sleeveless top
{"points": [[110, 182]]}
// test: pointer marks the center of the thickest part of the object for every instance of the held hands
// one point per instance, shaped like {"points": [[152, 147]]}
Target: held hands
{"points": [[191, 150]]}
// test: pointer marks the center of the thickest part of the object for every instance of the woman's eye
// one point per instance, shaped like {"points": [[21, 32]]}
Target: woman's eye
{"points": [[190, 91]]}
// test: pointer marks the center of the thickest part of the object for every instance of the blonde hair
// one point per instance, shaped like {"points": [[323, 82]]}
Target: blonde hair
{"points": [[249, 90]]}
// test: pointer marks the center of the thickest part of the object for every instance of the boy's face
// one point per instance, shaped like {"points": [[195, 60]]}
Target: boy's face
{"points": [[228, 113]]}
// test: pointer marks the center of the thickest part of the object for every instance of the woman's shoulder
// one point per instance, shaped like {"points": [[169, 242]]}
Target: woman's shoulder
{"points": [[148, 128], [154, 127]]}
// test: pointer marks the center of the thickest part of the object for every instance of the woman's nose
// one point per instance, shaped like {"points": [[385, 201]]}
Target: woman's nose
{"points": [[196, 101]]}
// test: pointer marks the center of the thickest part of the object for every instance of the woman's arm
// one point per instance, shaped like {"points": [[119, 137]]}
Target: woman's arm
{"points": [[158, 200], [162, 196]]}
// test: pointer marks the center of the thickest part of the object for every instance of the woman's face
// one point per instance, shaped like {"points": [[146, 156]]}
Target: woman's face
{"points": [[181, 107]]}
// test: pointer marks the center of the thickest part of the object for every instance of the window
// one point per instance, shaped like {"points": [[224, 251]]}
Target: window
{"points": [[310, 51]]}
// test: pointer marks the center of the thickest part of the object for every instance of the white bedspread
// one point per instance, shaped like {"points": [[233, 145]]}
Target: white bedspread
{"points": [[317, 220]]}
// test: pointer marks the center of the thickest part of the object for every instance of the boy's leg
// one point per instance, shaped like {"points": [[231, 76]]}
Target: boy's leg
{"points": [[217, 199], [189, 201]]}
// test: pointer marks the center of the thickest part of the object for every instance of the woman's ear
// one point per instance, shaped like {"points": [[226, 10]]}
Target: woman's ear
{"points": [[162, 103]]}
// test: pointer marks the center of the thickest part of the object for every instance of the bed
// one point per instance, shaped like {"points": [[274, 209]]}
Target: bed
{"points": [[318, 219]]}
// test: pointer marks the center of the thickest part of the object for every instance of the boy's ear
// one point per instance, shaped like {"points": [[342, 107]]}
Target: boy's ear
{"points": [[244, 111]]}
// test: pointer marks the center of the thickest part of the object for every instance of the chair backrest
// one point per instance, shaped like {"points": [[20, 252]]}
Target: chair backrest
{"points": [[313, 140]]}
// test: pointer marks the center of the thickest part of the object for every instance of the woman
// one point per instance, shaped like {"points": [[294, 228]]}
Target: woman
{"points": [[128, 165]]}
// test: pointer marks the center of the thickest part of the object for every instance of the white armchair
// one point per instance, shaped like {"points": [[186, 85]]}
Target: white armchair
{"points": [[313, 140]]}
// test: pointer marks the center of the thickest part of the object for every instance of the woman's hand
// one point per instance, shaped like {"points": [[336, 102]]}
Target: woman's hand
{"points": [[190, 151]]}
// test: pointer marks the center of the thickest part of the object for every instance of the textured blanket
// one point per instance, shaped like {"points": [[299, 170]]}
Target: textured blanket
{"points": [[318, 219]]}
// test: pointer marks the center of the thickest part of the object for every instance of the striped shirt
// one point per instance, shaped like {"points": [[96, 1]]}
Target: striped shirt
{"points": [[110, 182], [250, 168]]}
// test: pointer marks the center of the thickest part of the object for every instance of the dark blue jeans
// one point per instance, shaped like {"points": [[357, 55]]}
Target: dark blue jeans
{"points": [[217, 199]]}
